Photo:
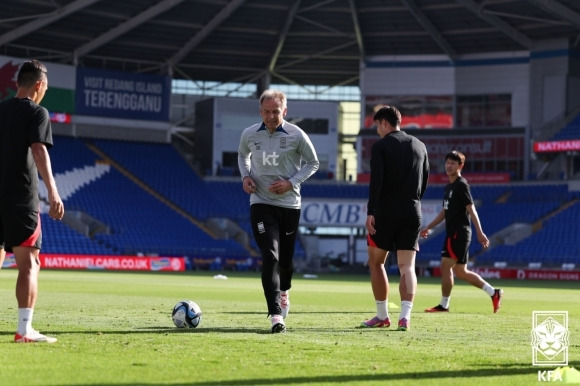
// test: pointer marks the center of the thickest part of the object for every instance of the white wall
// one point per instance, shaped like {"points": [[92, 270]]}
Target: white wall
{"points": [[492, 73], [495, 76], [407, 75], [549, 68]]}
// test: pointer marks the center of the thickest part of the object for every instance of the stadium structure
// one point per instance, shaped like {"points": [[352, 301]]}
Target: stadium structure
{"points": [[148, 168]]}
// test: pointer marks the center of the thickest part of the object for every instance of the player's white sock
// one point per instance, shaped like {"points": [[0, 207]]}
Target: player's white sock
{"points": [[488, 289], [445, 301], [25, 320], [406, 307], [382, 309]]}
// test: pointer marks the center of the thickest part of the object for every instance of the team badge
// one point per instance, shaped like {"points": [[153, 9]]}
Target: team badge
{"points": [[283, 142]]}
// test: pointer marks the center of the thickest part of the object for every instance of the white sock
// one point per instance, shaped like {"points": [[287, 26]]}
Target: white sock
{"points": [[488, 289], [382, 309], [277, 319], [25, 320], [445, 301], [406, 307]]}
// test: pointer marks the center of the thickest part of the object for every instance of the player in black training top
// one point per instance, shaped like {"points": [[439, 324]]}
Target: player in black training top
{"points": [[399, 173], [25, 136], [458, 209]]}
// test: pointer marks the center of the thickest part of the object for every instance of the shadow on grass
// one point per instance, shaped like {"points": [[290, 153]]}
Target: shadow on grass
{"points": [[499, 370]]}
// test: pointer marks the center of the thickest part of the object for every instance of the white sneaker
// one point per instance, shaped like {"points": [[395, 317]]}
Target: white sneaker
{"points": [[33, 337], [278, 324], [285, 304]]}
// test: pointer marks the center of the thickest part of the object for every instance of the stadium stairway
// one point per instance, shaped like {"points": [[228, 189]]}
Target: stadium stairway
{"points": [[570, 131], [159, 170], [141, 221], [551, 242]]}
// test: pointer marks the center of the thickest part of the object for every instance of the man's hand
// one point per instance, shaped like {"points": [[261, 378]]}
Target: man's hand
{"points": [[280, 186], [56, 211], [249, 185], [371, 225]]}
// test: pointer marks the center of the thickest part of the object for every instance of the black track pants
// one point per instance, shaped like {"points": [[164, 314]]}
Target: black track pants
{"points": [[275, 229]]}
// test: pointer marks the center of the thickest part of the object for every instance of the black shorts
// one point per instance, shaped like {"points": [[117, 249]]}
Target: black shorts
{"points": [[396, 234], [456, 248], [20, 229]]}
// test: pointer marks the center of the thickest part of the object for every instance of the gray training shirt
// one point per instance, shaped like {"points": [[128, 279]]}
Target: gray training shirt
{"points": [[270, 157]]}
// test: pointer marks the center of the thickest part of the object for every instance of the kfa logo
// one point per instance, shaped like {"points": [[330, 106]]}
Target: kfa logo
{"points": [[550, 376], [550, 338], [270, 159]]}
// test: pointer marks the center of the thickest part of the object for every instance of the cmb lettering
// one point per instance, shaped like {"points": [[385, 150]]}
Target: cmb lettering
{"points": [[335, 214], [549, 376]]}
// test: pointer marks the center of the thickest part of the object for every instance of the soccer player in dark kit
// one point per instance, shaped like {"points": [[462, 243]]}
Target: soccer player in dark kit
{"points": [[25, 135], [458, 209], [399, 174]]}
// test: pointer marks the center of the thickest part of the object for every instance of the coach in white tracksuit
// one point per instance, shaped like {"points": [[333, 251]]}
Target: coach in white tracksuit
{"points": [[274, 158]]}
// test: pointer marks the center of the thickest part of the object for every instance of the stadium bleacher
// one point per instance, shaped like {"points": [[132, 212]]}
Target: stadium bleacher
{"points": [[570, 131], [148, 208], [139, 222]]}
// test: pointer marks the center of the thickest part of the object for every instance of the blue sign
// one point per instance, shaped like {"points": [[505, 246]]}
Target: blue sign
{"points": [[116, 94]]}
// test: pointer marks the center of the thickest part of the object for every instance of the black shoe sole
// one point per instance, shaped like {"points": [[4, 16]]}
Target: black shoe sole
{"points": [[278, 327]]}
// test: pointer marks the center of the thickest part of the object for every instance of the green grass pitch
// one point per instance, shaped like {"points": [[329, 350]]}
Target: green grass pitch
{"points": [[115, 328]]}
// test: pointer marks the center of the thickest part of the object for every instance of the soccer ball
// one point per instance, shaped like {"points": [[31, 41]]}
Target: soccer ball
{"points": [[186, 314]]}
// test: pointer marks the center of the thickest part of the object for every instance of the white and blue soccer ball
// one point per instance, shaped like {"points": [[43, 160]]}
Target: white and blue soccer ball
{"points": [[186, 314]]}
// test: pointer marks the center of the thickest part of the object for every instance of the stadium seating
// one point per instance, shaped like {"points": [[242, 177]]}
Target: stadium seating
{"points": [[148, 207], [139, 223], [556, 243], [501, 206], [570, 131]]}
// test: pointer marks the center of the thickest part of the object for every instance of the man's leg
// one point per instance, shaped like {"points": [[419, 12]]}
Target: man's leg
{"points": [[475, 280], [407, 286], [27, 282], [266, 234], [266, 227], [289, 222], [472, 278], [447, 280], [379, 279], [288, 233], [2, 256], [380, 287], [26, 294]]}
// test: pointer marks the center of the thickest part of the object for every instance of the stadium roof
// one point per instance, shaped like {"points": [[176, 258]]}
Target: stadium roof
{"points": [[303, 42]]}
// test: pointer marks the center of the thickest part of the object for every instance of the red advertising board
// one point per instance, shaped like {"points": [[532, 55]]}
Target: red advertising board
{"points": [[105, 262], [473, 178], [475, 148], [557, 146], [522, 274]]}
